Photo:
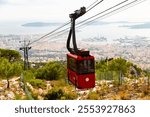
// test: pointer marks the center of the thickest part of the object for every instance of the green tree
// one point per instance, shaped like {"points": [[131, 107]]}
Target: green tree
{"points": [[118, 64], [115, 68], [51, 71], [5, 70], [58, 93], [11, 55], [101, 65], [8, 70], [54, 94]]}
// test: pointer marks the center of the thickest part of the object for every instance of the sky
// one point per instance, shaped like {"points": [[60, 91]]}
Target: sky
{"points": [[15, 14]]}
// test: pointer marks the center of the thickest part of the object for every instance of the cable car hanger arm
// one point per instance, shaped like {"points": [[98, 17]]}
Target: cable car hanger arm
{"points": [[74, 16]]}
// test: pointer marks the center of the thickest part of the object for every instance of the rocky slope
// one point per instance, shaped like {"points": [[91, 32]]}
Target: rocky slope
{"points": [[15, 91], [130, 89]]}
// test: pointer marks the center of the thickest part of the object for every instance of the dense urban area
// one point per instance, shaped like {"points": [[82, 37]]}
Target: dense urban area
{"points": [[135, 49]]}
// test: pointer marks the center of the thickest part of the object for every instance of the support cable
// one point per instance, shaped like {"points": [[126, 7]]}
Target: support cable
{"points": [[66, 29], [84, 22], [65, 23]]}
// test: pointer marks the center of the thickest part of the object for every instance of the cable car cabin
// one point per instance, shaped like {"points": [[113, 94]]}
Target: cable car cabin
{"points": [[81, 71]]}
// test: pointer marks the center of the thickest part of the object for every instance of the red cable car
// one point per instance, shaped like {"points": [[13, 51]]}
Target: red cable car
{"points": [[80, 64], [81, 71]]}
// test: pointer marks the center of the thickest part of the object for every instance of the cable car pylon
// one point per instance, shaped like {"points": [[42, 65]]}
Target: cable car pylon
{"points": [[25, 50]]}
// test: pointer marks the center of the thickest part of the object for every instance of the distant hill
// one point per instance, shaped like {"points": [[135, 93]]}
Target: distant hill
{"points": [[40, 24], [138, 26]]}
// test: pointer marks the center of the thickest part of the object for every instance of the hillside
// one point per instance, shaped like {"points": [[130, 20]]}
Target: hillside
{"points": [[116, 78], [132, 89]]}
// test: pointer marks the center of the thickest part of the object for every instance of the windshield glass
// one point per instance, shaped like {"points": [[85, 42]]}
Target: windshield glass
{"points": [[85, 66]]}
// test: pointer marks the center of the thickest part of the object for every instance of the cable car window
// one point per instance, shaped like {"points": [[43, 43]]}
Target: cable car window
{"points": [[85, 66], [72, 64]]}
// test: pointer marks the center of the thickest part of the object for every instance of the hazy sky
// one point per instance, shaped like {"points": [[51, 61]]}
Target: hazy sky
{"points": [[14, 13]]}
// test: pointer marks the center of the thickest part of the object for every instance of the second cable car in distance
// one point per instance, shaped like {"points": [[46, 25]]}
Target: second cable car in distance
{"points": [[80, 64]]}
